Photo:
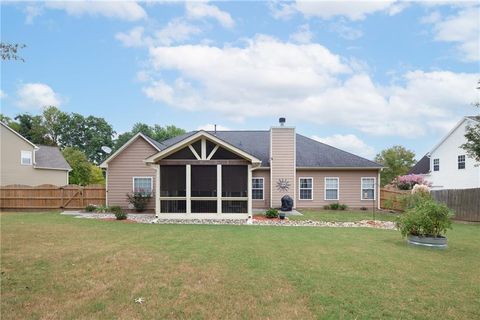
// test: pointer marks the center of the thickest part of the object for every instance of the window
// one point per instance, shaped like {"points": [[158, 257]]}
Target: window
{"points": [[173, 181], [26, 158], [257, 188], [436, 164], [142, 184], [204, 182], [368, 189], [306, 189], [331, 188], [461, 162]]}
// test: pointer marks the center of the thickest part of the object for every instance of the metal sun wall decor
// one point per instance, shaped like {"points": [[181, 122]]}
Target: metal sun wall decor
{"points": [[283, 185]]}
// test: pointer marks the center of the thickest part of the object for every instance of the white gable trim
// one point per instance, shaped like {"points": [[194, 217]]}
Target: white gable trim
{"points": [[199, 135], [18, 135], [450, 133], [104, 164]]}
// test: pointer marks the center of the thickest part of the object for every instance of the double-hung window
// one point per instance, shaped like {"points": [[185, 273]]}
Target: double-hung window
{"points": [[331, 188], [143, 184], [368, 189], [436, 164], [257, 188], [26, 158], [306, 188], [461, 162]]}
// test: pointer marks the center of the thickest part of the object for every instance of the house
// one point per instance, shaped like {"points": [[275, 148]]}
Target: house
{"points": [[234, 172], [23, 162], [447, 166]]}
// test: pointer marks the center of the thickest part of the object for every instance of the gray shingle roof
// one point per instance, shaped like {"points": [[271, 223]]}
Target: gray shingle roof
{"points": [[421, 167], [310, 153], [51, 158]]}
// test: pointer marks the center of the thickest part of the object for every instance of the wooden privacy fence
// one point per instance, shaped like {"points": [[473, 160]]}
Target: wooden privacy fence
{"points": [[464, 202], [50, 197], [390, 199]]}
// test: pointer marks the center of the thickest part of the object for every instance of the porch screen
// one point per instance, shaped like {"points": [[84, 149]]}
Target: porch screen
{"points": [[173, 181], [234, 181], [184, 153], [204, 181], [222, 153]]}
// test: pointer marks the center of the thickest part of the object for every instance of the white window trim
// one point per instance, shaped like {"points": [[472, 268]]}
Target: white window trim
{"points": [[299, 188], [374, 188], [151, 183], [263, 188], [30, 153], [325, 189]]}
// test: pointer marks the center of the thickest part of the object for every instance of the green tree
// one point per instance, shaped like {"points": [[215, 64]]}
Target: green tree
{"points": [[32, 129], [397, 160], [472, 146], [155, 132], [9, 51], [83, 172]]}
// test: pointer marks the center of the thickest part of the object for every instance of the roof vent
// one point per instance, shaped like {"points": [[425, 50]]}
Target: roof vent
{"points": [[282, 121]]}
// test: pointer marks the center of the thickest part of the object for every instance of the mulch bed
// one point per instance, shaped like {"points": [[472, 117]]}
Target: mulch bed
{"points": [[263, 218]]}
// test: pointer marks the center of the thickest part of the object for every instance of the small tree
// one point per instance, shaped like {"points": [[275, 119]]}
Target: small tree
{"points": [[83, 172], [472, 146], [139, 200], [397, 161]]}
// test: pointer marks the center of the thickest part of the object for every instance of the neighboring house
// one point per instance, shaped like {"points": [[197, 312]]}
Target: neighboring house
{"points": [[238, 171], [23, 162], [447, 165]]}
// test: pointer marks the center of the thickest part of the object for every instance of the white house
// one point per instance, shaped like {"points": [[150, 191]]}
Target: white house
{"points": [[448, 166]]}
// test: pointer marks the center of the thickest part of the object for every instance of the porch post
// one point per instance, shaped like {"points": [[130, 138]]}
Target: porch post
{"points": [[157, 191], [189, 187], [219, 188], [249, 192]]}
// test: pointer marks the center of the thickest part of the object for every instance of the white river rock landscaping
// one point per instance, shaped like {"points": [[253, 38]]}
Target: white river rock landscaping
{"points": [[150, 218]]}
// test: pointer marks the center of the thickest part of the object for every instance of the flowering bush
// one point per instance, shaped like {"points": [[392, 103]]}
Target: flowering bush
{"points": [[408, 181], [421, 188]]}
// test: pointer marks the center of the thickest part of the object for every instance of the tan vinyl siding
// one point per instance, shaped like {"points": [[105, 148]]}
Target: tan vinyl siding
{"points": [[13, 172], [126, 165], [349, 187], [282, 162], [265, 203]]}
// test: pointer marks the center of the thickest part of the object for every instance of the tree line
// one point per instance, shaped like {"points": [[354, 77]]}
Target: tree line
{"points": [[81, 138]]}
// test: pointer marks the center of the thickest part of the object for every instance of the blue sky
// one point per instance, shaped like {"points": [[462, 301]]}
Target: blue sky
{"points": [[361, 76]]}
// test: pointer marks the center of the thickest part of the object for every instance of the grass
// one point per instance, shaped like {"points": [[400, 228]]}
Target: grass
{"points": [[57, 266], [347, 215]]}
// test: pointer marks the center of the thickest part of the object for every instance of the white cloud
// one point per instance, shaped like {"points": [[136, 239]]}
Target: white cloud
{"points": [[305, 82], [176, 31], [2, 94], [211, 127], [350, 143], [33, 96], [123, 10], [303, 34], [200, 10], [352, 10], [32, 11], [345, 31], [462, 28]]}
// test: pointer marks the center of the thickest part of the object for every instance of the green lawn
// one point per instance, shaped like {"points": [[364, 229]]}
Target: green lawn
{"points": [[55, 266], [339, 215]]}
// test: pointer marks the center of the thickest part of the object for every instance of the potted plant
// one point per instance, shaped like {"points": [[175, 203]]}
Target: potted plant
{"points": [[426, 224], [282, 215]]}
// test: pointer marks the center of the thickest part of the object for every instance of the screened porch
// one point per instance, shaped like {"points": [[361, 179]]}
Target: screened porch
{"points": [[204, 188]]}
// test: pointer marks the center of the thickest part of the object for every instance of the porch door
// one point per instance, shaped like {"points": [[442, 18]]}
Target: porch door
{"points": [[203, 188]]}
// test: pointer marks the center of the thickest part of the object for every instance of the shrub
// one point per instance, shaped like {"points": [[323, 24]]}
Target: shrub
{"points": [[271, 213], [118, 212], [326, 207], [343, 207], [90, 208], [426, 218], [363, 208], [139, 200], [412, 200], [421, 188], [407, 182], [101, 209], [335, 206]]}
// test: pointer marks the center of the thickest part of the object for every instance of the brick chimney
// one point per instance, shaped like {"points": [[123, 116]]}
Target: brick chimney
{"points": [[282, 163]]}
